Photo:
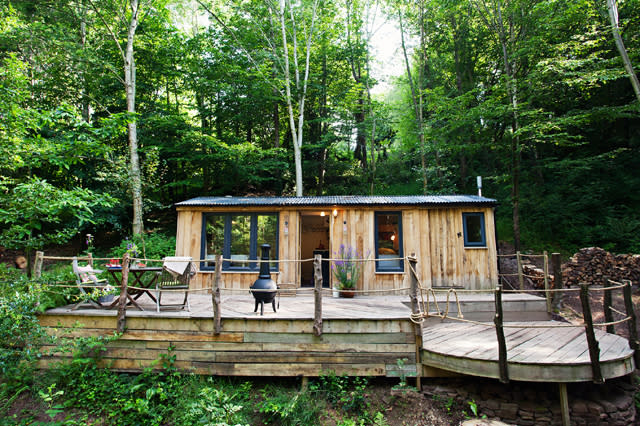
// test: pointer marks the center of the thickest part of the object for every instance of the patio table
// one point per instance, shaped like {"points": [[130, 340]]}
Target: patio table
{"points": [[143, 287]]}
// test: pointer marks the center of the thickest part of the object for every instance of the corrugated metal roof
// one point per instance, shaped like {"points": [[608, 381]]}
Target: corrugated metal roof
{"points": [[341, 200]]}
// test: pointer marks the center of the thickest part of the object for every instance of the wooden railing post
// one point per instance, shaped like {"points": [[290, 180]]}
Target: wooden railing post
{"points": [[556, 267], [545, 266], [594, 347], [415, 309], [502, 343], [90, 259], [122, 301], [608, 313], [520, 272], [633, 331], [317, 292], [215, 296], [37, 264]]}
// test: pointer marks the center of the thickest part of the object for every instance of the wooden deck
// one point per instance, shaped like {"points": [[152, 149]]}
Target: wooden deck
{"points": [[550, 352], [364, 336]]}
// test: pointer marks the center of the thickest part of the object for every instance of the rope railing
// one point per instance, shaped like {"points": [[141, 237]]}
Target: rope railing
{"points": [[521, 254], [424, 298], [594, 352]]}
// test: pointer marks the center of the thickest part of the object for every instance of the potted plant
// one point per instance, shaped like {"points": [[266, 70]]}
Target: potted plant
{"points": [[346, 270]]}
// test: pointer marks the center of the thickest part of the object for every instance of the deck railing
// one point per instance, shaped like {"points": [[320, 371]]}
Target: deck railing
{"points": [[216, 288], [422, 298]]}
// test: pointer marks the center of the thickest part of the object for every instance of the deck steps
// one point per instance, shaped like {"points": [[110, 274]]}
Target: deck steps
{"points": [[481, 307]]}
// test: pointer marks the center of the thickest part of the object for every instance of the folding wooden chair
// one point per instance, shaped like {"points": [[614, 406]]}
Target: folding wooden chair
{"points": [[86, 279], [176, 275]]}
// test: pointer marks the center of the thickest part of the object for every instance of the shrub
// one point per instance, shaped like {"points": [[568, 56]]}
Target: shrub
{"points": [[154, 245]]}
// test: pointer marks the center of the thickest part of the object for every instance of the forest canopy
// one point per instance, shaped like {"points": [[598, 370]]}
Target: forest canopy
{"points": [[118, 109]]}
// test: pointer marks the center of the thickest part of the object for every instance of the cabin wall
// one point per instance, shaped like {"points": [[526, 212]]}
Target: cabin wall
{"points": [[434, 235], [189, 243]]}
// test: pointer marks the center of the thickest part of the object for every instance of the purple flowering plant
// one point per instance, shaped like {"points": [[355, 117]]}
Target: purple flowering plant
{"points": [[346, 269]]}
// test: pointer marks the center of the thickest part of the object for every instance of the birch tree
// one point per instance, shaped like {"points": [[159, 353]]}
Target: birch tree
{"points": [[612, 6], [300, 85], [127, 18], [295, 26]]}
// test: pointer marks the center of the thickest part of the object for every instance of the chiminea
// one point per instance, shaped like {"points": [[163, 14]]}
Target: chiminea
{"points": [[264, 282]]}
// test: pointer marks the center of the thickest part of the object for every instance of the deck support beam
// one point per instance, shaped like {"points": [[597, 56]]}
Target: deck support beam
{"points": [[633, 331], [317, 292], [122, 302], [594, 347], [608, 313], [502, 343], [415, 309], [215, 297], [564, 404], [556, 267]]}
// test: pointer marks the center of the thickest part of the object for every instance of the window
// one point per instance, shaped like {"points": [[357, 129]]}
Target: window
{"points": [[388, 241], [474, 235], [238, 237]]}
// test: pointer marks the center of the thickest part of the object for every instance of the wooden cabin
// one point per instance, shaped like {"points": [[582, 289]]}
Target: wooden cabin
{"points": [[453, 238]]}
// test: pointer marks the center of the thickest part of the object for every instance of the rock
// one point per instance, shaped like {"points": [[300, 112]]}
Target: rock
{"points": [[509, 410], [579, 408], [594, 408], [622, 401], [483, 422]]}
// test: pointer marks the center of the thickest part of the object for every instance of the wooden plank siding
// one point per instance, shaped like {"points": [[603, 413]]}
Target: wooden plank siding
{"points": [[247, 347], [434, 235]]}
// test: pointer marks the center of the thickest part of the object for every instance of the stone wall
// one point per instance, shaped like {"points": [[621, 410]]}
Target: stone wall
{"points": [[523, 404]]}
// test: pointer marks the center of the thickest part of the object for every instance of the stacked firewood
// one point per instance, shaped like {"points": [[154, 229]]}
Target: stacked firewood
{"points": [[592, 264], [534, 275]]}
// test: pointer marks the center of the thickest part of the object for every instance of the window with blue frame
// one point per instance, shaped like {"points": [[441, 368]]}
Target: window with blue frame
{"points": [[388, 241], [474, 230], [238, 237]]}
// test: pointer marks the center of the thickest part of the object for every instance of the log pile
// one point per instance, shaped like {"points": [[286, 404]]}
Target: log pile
{"points": [[592, 264], [534, 275]]}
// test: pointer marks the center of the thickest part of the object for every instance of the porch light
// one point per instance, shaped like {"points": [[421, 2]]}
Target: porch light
{"points": [[393, 237], [335, 212], [322, 214]]}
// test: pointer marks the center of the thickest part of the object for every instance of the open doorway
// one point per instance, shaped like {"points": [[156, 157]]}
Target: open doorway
{"points": [[314, 239]]}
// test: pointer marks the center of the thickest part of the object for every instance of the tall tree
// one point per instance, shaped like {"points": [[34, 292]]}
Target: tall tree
{"points": [[416, 85], [509, 37], [290, 36], [127, 15], [612, 6]]}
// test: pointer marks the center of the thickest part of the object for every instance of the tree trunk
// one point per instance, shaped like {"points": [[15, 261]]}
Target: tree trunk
{"points": [[417, 106], [515, 139], [615, 29], [373, 157], [276, 125], [86, 114], [130, 87]]}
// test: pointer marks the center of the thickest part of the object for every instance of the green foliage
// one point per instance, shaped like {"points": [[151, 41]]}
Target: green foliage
{"points": [[289, 407], [153, 245], [20, 330], [347, 268], [211, 118], [36, 213], [216, 405], [343, 391]]}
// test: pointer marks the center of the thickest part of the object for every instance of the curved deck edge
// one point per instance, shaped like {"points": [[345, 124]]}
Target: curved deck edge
{"points": [[529, 372]]}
